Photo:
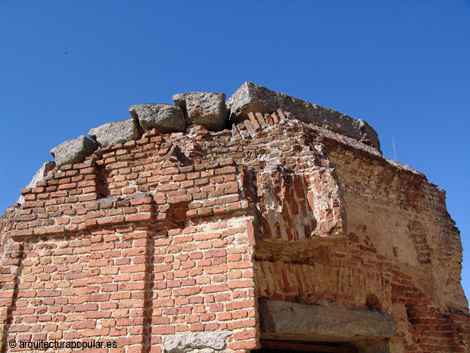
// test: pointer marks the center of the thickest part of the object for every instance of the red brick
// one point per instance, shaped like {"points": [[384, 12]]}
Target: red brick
{"points": [[240, 304], [215, 288], [215, 253], [244, 335], [243, 345], [162, 330], [86, 307], [224, 316], [187, 291], [241, 284]]}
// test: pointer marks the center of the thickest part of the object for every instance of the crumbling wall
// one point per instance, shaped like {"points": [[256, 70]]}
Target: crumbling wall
{"points": [[112, 261], [398, 223], [163, 235], [401, 254]]}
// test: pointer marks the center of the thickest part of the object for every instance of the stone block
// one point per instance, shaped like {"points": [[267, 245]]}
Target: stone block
{"points": [[251, 97], [164, 117], [115, 132], [191, 342], [204, 108], [291, 321], [73, 151]]}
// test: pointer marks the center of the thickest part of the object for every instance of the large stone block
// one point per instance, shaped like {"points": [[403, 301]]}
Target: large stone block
{"points": [[195, 342], [251, 97], [291, 321], [115, 132], [204, 108], [164, 117], [73, 151]]}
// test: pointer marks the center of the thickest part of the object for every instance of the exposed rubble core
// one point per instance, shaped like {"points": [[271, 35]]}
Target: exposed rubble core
{"points": [[229, 227]]}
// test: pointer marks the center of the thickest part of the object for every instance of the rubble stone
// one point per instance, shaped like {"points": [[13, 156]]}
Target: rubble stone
{"points": [[184, 343], [204, 108], [73, 151], [115, 132], [164, 117]]}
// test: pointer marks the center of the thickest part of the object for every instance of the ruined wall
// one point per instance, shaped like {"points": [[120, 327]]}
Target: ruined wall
{"points": [[100, 257], [401, 255], [179, 241]]}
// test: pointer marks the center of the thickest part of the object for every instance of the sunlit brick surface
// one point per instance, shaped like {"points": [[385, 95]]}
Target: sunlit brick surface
{"points": [[183, 233]]}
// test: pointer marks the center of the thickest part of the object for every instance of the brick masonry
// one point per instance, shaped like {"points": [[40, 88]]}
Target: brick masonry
{"points": [[179, 234]]}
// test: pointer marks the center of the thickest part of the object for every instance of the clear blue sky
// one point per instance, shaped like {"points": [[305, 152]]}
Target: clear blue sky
{"points": [[403, 66]]}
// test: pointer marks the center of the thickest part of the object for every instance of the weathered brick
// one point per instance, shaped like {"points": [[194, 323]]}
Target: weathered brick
{"points": [[105, 263]]}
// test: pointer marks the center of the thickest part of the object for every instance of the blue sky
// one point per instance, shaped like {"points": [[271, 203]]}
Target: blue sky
{"points": [[403, 66]]}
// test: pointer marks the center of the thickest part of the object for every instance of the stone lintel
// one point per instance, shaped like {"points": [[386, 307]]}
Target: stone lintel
{"points": [[291, 321]]}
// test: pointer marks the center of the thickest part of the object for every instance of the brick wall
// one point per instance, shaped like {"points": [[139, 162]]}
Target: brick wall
{"points": [[176, 235]]}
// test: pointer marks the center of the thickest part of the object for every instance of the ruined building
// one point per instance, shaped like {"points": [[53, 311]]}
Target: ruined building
{"points": [[257, 223]]}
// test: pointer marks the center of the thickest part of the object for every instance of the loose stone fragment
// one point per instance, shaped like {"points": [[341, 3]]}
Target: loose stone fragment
{"points": [[164, 117], [251, 97], [204, 108], [73, 151], [39, 176], [115, 132]]}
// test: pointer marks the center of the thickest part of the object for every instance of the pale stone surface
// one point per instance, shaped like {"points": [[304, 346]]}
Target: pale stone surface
{"points": [[251, 97], [204, 108], [195, 342], [115, 132], [164, 117], [287, 320], [73, 151], [39, 176]]}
